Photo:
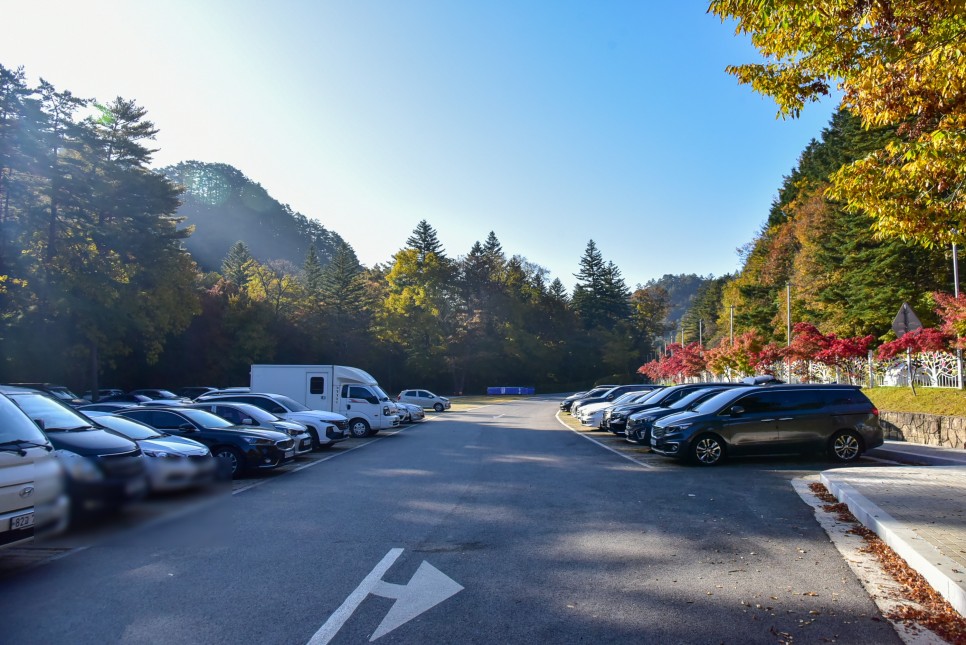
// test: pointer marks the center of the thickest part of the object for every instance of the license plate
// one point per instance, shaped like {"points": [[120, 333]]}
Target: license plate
{"points": [[289, 453], [22, 521]]}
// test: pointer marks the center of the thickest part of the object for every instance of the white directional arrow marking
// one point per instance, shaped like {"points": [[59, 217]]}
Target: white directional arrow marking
{"points": [[429, 587]]}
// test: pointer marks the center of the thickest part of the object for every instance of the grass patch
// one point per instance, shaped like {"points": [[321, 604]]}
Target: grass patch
{"points": [[573, 423], [927, 400]]}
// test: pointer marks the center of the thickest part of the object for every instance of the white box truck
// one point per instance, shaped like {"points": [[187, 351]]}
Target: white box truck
{"points": [[348, 391]]}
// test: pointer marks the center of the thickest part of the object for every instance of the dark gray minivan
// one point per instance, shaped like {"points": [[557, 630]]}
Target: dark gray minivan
{"points": [[838, 420]]}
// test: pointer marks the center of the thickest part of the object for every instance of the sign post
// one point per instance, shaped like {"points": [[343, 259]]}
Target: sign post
{"points": [[906, 321]]}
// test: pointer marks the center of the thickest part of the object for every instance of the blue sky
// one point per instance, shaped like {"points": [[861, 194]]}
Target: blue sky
{"points": [[549, 123]]}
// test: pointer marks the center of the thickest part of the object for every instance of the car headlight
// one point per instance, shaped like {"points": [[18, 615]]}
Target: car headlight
{"points": [[161, 454], [258, 441], [78, 467], [385, 411], [678, 428]]}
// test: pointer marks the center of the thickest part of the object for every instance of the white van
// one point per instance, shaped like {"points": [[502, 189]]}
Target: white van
{"points": [[32, 493], [348, 391]]}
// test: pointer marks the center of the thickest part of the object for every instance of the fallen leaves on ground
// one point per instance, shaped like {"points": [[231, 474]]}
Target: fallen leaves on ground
{"points": [[932, 611]]}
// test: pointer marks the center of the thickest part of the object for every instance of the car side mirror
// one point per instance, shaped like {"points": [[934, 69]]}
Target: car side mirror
{"points": [[737, 410]]}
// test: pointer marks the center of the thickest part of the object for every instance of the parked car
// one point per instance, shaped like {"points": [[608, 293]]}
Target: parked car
{"points": [[665, 397], [103, 470], [838, 420], [102, 393], [241, 447], [639, 429], [32, 497], [193, 392], [161, 395], [592, 414], [135, 399], [615, 417], [326, 428], [59, 392], [568, 402], [424, 399], [609, 396], [245, 414], [173, 463], [104, 407], [412, 413]]}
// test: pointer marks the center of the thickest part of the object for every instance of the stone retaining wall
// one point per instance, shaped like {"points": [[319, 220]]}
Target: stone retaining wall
{"points": [[929, 429]]}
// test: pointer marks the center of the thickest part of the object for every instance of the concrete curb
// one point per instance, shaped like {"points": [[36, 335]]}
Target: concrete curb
{"points": [[936, 568]]}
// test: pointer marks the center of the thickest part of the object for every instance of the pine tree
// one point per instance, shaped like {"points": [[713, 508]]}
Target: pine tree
{"points": [[425, 240], [312, 274], [236, 267]]}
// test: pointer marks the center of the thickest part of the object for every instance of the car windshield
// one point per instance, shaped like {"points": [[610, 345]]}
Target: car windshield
{"points": [[63, 393], [129, 428], [291, 404], [627, 396], [17, 426], [205, 419], [718, 401], [166, 394], [649, 396], [54, 415], [379, 392], [689, 400], [255, 412]]}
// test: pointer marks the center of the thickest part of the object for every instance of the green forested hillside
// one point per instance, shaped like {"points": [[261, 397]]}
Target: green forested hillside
{"points": [[224, 206]]}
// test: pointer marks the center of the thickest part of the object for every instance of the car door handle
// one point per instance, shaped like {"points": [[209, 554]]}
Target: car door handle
{"points": [[787, 419], [764, 420]]}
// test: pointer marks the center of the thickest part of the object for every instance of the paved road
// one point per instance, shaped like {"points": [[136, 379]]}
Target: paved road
{"points": [[550, 537]]}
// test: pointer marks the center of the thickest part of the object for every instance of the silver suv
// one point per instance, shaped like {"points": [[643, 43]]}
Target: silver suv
{"points": [[424, 399]]}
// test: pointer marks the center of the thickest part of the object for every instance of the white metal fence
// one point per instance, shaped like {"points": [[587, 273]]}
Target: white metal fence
{"points": [[928, 369]]}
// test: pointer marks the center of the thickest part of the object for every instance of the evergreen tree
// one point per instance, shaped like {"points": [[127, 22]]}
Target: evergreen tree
{"points": [[600, 296], [313, 276], [424, 240], [237, 265]]}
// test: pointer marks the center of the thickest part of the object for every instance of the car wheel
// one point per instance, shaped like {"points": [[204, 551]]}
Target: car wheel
{"points": [[438, 407], [845, 446], [707, 450], [233, 460], [359, 428], [316, 444]]}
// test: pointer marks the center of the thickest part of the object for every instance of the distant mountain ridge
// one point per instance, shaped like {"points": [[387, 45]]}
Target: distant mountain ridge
{"points": [[225, 206]]}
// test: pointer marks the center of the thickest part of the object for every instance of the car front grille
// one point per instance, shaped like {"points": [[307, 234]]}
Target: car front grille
{"points": [[125, 464]]}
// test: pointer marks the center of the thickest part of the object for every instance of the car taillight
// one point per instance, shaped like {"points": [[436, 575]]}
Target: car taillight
{"points": [[875, 412]]}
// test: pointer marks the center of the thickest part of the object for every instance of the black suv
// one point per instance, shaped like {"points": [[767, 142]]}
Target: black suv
{"points": [[103, 470], [241, 447], [624, 421], [640, 431], [838, 420]]}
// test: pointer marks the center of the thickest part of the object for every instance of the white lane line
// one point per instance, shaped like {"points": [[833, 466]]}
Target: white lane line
{"points": [[602, 445]]}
